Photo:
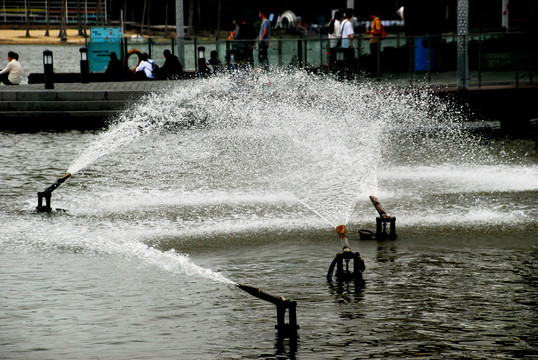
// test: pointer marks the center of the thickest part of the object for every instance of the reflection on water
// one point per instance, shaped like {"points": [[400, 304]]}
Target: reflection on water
{"points": [[135, 267]]}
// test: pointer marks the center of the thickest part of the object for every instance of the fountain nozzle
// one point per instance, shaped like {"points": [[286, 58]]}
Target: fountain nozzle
{"points": [[284, 330], [47, 194], [341, 229], [346, 255]]}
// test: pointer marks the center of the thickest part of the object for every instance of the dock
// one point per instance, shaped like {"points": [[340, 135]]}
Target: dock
{"points": [[69, 105]]}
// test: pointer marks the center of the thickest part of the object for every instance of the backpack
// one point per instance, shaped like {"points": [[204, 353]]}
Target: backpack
{"points": [[383, 32]]}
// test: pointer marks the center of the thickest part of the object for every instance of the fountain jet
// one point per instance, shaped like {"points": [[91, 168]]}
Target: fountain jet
{"points": [[47, 193], [284, 330], [346, 255], [382, 220]]}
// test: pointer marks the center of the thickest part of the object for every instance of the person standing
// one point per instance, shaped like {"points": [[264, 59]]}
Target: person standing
{"points": [[12, 73], [244, 37], [335, 37], [263, 38], [347, 42], [375, 39]]}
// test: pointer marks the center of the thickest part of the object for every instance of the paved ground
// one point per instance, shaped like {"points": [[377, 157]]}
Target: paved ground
{"points": [[98, 86]]}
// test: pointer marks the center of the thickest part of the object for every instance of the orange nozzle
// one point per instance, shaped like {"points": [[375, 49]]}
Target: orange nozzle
{"points": [[341, 229]]}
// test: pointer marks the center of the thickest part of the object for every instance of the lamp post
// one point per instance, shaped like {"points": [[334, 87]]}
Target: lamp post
{"points": [[84, 66], [48, 69]]}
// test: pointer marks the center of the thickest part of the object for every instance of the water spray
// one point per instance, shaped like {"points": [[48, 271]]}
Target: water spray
{"points": [[47, 193], [288, 330], [346, 255]]}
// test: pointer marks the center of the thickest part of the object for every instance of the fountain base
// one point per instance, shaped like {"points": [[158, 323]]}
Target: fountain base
{"points": [[47, 194]]}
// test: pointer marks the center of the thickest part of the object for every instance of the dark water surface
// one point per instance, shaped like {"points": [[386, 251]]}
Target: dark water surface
{"points": [[142, 265]]}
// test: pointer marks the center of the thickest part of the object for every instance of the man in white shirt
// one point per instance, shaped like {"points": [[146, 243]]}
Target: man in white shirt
{"points": [[347, 42], [347, 29], [12, 73]]}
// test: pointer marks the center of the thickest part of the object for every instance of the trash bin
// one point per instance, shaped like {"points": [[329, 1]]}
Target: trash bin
{"points": [[421, 54]]}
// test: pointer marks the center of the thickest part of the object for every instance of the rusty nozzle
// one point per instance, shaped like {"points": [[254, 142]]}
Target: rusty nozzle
{"points": [[341, 229]]}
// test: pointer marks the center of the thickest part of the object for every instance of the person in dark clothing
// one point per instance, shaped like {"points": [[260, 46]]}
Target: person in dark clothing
{"points": [[115, 70], [245, 34], [171, 69]]}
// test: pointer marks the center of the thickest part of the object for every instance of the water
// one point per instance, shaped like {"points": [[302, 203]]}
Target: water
{"points": [[206, 185]]}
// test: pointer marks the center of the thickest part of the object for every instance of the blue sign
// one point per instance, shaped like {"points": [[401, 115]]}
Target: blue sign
{"points": [[99, 54], [106, 34], [103, 41]]}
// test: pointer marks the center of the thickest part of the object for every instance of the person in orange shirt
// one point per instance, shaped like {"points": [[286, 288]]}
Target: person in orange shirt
{"points": [[375, 32]]}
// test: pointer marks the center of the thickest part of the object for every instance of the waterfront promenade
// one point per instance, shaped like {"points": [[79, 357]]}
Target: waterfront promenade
{"points": [[89, 106], [69, 105]]}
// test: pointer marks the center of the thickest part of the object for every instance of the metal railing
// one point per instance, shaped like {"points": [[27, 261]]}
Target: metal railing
{"points": [[501, 58], [16, 11]]}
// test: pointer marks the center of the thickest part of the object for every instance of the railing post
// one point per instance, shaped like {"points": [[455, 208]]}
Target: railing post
{"points": [[480, 61]]}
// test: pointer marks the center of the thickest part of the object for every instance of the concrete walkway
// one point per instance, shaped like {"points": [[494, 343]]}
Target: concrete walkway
{"points": [[69, 105]]}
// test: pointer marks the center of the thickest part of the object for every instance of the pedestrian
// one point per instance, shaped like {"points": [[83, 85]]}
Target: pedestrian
{"points": [[171, 69], [335, 37], [347, 42], [376, 33], [244, 38], [144, 70], [263, 39], [115, 70], [12, 73]]}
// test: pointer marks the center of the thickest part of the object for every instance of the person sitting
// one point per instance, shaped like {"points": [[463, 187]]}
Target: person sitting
{"points": [[115, 70], [144, 70], [171, 69], [12, 73], [214, 64]]}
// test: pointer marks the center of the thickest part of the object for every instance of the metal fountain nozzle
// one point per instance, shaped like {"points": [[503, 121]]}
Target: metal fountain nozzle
{"points": [[47, 193], [341, 229], [284, 329]]}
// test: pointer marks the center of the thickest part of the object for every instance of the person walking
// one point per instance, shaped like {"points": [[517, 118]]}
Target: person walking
{"points": [[263, 38], [12, 73]]}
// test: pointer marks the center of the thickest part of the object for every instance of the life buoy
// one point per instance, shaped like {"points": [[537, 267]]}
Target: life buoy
{"points": [[131, 52]]}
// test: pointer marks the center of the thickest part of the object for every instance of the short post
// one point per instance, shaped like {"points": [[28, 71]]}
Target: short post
{"points": [[48, 69], [201, 61], [84, 66]]}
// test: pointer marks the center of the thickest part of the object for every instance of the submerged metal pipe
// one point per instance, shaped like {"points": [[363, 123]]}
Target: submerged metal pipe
{"points": [[58, 182], [284, 330], [341, 229], [382, 220], [47, 193]]}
